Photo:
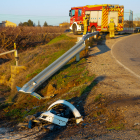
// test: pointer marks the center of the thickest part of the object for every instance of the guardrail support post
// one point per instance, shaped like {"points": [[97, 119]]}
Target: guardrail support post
{"points": [[16, 57], [15, 71], [16, 54], [78, 57]]}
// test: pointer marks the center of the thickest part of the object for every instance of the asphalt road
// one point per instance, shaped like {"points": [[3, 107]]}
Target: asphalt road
{"points": [[127, 53]]}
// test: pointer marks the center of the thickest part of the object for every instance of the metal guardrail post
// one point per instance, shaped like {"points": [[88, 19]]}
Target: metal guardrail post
{"points": [[16, 54], [16, 57], [15, 46], [77, 57]]}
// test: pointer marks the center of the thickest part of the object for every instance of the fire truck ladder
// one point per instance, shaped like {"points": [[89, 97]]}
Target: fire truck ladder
{"points": [[35, 82]]}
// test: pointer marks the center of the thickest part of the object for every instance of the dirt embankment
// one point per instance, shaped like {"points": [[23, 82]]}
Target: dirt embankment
{"points": [[111, 109], [118, 85]]}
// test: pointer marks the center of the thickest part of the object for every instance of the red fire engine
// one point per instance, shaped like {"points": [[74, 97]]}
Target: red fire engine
{"points": [[98, 17]]}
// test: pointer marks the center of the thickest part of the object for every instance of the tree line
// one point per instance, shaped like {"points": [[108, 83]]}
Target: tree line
{"points": [[30, 23]]}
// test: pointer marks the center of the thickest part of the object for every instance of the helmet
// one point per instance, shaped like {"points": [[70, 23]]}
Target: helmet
{"points": [[111, 20]]}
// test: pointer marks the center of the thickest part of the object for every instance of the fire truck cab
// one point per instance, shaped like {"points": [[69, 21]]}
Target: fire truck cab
{"points": [[98, 17]]}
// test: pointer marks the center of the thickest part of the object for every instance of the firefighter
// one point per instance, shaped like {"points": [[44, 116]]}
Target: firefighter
{"points": [[111, 28], [86, 23]]}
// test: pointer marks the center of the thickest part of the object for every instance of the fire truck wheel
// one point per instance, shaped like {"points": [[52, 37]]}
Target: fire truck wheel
{"points": [[93, 29], [74, 30]]}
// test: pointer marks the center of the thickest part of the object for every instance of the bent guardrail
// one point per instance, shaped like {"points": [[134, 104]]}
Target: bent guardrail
{"points": [[30, 86]]}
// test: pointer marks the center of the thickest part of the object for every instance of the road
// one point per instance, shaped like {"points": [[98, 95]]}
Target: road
{"points": [[127, 53]]}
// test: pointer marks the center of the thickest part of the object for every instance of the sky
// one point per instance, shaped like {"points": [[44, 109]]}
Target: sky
{"points": [[52, 11]]}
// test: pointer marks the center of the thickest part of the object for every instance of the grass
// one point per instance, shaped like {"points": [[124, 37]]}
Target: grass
{"points": [[56, 55], [14, 113], [110, 121], [117, 127], [71, 76], [34, 73], [20, 113], [5, 88], [2, 106], [97, 98], [59, 38]]}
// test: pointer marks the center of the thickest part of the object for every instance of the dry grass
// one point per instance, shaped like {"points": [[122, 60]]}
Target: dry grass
{"points": [[26, 37], [35, 60]]}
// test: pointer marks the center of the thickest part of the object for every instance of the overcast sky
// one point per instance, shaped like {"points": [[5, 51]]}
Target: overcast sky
{"points": [[54, 7]]}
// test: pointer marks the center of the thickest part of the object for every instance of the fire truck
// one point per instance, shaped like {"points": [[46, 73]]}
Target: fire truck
{"points": [[97, 16]]}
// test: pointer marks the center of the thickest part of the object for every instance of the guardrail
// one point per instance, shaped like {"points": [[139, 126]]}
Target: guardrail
{"points": [[30, 86], [15, 54], [128, 30]]}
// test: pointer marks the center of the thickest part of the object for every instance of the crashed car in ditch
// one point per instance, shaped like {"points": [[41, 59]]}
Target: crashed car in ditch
{"points": [[59, 113]]}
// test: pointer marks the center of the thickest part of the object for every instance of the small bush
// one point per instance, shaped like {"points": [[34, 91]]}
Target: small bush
{"points": [[97, 98]]}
